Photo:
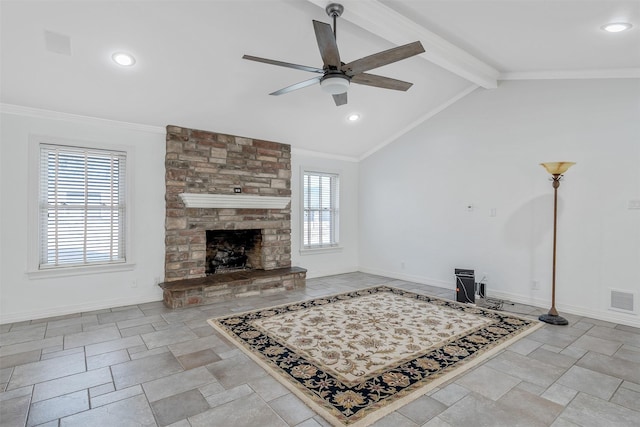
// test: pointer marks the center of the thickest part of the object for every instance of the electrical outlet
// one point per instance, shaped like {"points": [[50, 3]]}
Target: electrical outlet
{"points": [[485, 278], [535, 284], [134, 284], [402, 265]]}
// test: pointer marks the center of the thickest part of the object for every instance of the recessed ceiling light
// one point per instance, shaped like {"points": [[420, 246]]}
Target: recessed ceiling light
{"points": [[616, 27], [353, 117], [123, 59]]}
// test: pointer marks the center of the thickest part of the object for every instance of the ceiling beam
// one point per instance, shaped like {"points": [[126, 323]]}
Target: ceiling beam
{"points": [[381, 20]]}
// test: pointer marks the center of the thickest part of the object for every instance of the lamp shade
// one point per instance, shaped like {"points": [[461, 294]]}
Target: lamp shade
{"points": [[557, 168], [335, 84]]}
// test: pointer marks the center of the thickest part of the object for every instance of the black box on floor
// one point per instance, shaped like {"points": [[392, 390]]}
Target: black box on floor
{"points": [[465, 285]]}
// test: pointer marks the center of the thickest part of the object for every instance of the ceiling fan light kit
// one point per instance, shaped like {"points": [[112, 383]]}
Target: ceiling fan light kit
{"points": [[334, 84], [336, 76]]}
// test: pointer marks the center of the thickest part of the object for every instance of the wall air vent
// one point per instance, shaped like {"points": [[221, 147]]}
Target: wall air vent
{"points": [[622, 301]]}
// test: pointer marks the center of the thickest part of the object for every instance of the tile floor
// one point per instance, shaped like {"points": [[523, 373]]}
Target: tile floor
{"points": [[145, 365]]}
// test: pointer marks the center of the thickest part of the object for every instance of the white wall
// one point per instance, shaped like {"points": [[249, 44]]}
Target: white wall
{"points": [[26, 298], [321, 263], [404, 204], [484, 151]]}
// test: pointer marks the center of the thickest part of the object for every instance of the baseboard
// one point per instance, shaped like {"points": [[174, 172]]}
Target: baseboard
{"points": [[76, 308], [520, 299], [409, 278], [314, 274], [607, 316], [614, 317]]}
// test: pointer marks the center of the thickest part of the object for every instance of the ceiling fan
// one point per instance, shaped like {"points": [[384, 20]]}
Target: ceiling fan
{"points": [[335, 76]]}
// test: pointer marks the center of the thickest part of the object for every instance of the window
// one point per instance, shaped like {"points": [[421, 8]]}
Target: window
{"points": [[81, 206], [320, 210]]}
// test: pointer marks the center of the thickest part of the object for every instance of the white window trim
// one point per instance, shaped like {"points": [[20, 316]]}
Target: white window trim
{"points": [[33, 232], [318, 251], [326, 249]]}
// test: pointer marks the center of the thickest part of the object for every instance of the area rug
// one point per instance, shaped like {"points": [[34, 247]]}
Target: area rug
{"points": [[357, 356]]}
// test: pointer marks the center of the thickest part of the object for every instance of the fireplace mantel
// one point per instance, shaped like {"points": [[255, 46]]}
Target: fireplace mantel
{"points": [[233, 201]]}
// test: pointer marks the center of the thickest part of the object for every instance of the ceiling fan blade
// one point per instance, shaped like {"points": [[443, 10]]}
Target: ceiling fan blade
{"points": [[340, 99], [382, 58], [297, 86], [327, 45], [380, 81], [283, 64]]}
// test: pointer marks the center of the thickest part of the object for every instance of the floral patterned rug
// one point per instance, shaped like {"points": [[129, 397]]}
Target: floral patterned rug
{"points": [[357, 356]]}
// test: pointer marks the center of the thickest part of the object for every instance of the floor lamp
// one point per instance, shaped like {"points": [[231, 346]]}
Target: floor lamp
{"points": [[556, 169]]}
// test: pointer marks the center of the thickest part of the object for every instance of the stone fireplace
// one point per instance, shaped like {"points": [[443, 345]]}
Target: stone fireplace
{"points": [[226, 188]]}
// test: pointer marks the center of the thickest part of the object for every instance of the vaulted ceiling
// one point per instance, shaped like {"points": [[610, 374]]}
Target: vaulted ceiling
{"points": [[189, 71]]}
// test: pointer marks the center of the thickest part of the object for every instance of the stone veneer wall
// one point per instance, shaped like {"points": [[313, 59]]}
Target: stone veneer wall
{"points": [[207, 162]]}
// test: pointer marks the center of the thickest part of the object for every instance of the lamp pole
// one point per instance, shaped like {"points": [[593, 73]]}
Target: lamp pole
{"points": [[556, 169]]}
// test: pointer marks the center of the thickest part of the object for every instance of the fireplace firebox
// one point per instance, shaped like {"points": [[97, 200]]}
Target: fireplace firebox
{"points": [[233, 250]]}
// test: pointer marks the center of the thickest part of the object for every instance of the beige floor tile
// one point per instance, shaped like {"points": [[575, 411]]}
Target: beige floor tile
{"points": [[143, 370], [128, 412], [247, 412], [590, 382], [48, 389], [46, 370], [177, 383], [58, 407], [488, 382], [194, 377], [589, 411]]}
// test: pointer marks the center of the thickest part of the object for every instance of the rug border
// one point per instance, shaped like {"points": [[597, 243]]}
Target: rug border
{"points": [[387, 409]]}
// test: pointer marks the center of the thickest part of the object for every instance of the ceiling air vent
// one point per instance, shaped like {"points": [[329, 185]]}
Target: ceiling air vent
{"points": [[622, 301], [57, 43]]}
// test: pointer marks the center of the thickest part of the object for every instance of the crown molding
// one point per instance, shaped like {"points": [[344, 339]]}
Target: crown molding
{"points": [[381, 20], [614, 73], [76, 118], [311, 153]]}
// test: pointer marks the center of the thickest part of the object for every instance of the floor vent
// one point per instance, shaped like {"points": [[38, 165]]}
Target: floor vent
{"points": [[622, 301]]}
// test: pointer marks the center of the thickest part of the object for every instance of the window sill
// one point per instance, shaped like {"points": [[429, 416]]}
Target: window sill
{"points": [[79, 271], [318, 251]]}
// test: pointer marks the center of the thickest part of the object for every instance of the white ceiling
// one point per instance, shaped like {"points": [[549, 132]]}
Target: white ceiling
{"points": [[190, 71]]}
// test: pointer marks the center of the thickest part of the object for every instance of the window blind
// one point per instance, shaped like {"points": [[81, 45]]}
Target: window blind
{"points": [[82, 206], [320, 210]]}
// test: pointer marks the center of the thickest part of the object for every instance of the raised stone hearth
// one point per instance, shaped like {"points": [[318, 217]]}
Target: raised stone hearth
{"points": [[225, 182], [238, 284]]}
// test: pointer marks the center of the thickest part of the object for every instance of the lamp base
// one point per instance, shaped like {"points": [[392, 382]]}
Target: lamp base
{"points": [[553, 320]]}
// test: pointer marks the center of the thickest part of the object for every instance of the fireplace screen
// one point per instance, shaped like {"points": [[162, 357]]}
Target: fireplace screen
{"points": [[233, 250]]}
